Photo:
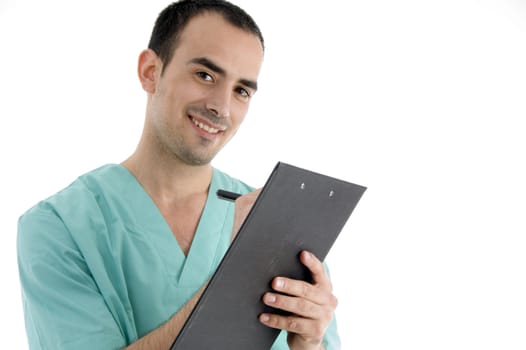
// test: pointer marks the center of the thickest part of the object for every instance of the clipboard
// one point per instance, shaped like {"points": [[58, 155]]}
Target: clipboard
{"points": [[296, 210]]}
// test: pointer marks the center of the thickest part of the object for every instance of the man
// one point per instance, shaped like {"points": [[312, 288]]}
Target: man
{"points": [[120, 257]]}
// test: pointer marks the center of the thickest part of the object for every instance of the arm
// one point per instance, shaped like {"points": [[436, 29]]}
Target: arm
{"points": [[63, 304], [63, 307], [163, 337]]}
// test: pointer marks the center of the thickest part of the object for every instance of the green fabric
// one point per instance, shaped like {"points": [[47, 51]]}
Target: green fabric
{"points": [[100, 268]]}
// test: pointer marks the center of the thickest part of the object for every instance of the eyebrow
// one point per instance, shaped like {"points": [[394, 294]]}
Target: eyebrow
{"points": [[215, 68]]}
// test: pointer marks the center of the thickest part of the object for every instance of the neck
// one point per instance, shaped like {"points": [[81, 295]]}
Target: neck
{"points": [[169, 182]]}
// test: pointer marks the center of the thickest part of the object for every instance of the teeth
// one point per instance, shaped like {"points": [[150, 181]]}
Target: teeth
{"points": [[205, 127]]}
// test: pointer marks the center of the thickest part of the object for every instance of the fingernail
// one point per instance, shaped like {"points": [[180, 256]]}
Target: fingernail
{"points": [[271, 298], [265, 318], [279, 283]]}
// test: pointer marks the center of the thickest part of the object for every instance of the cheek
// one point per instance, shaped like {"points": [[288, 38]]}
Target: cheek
{"points": [[181, 90], [172, 103]]}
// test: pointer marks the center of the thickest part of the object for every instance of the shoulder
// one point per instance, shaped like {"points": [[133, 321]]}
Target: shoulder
{"points": [[82, 188], [49, 219]]}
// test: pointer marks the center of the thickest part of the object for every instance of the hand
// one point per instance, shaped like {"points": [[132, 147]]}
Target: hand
{"points": [[242, 208], [312, 306]]}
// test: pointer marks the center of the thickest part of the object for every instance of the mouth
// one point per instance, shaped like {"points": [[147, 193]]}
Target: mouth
{"points": [[211, 129]]}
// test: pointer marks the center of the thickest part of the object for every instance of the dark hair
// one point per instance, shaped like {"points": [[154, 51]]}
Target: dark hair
{"points": [[173, 19]]}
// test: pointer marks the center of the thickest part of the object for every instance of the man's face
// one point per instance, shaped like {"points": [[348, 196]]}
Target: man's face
{"points": [[203, 95]]}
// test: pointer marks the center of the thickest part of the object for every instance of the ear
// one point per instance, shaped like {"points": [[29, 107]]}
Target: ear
{"points": [[149, 70]]}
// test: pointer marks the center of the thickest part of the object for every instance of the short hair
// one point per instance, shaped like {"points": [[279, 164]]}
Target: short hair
{"points": [[173, 19]]}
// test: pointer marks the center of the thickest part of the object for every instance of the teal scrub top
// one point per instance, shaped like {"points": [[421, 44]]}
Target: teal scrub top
{"points": [[100, 268]]}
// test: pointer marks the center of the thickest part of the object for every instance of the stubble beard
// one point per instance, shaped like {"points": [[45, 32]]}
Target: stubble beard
{"points": [[176, 145], [196, 156]]}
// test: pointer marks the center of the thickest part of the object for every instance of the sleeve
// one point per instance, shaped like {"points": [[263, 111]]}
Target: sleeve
{"points": [[332, 339], [63, 307]]}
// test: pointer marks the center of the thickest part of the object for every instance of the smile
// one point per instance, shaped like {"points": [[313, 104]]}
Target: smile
{"points": [[205, 127]]}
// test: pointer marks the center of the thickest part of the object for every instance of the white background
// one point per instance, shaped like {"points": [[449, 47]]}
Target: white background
{"points": [[421, 101]]}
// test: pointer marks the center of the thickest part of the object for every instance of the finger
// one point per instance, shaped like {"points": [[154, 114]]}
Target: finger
{"points": [[249, 198], [298, 306], [319, 275], [243, 205], [302, 289], [309, 329]]}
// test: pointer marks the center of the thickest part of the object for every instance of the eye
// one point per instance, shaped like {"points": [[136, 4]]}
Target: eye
{"points": [[243, 92], [205, 76]]}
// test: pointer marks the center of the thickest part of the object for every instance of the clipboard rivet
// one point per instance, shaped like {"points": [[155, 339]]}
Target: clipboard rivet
{"points": [[331, 193], [302, 185]]}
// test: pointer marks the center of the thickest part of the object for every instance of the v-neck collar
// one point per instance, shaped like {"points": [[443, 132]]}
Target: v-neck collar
{"points": [[211, 238]]}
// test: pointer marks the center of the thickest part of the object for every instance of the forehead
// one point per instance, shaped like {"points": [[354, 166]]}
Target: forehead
{"points": [[209, 35]]}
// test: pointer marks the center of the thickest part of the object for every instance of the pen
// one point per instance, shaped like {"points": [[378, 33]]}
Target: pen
{"points": [[231, 196]]}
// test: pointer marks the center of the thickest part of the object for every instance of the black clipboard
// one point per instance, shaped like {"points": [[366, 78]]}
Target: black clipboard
{"points": [[296, 210]]}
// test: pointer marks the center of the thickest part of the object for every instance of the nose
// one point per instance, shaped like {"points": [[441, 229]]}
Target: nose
{"points": [[218, 101]]}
